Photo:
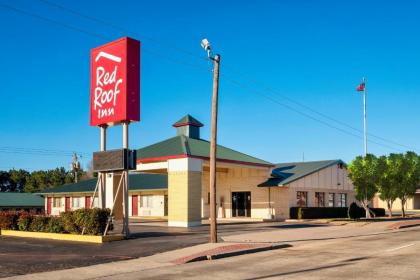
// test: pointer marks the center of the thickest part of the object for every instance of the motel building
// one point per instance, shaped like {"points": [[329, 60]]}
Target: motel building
{"points": [[412, 203], [171, 181]]}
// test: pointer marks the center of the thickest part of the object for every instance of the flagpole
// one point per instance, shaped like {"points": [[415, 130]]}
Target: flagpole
{"points": [[364, 116]]}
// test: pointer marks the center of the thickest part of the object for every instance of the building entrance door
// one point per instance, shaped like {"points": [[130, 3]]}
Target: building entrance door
{"points": [[135, 205], [241, 204], [49, 205]]}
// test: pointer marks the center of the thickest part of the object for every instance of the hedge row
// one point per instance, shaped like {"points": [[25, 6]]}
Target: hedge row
{"points": [[93, 220], [356, 212], [332, 212]]}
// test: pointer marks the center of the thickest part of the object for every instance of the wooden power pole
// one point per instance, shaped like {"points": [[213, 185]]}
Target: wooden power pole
{"points": [[213, 148]]}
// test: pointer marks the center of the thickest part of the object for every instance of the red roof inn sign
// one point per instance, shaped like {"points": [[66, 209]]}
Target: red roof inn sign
{"points": [[115, 82]]}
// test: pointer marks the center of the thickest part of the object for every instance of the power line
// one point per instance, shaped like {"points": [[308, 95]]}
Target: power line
{"points": [[277, 93], [270, 89], [202, 68], [96, 35], [37, 151], [305, 114], [121, 29]]}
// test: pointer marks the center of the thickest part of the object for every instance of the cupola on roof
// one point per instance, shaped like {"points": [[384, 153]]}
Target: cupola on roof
{"points": [[188, 126]]}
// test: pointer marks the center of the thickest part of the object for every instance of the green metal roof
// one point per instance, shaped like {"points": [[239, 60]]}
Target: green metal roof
{"points": [[188, 120], [285, 173], [182, 145], [140, 181], [12, 199]]}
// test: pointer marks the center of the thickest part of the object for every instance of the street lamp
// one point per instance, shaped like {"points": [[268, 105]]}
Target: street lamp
{"points": [[213, 140]]}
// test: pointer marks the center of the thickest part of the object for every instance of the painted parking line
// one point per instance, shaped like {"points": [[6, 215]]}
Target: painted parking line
{"points": [[401, 247]]}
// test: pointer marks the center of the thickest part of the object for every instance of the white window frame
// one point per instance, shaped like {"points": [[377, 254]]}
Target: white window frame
{"points": [[55, 204], [74, 200], [342, 200], [331, 199]]}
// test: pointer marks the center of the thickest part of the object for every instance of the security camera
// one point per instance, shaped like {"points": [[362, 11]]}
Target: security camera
{"points": [[205, 44]]}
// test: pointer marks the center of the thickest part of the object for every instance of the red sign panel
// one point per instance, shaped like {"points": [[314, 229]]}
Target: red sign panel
{"points": [[115, 82]]}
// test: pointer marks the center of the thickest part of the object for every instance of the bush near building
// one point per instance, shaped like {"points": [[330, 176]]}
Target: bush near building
{"points": [[355, 212], [93, 221], [330, 212]]}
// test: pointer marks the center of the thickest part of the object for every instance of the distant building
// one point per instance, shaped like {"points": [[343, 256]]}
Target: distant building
{"points": [[21, 201], [309, 184], [412, 203], [147, 195], [172, 179]]}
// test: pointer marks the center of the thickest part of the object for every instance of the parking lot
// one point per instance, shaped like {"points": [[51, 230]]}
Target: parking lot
{"points": [[22, 255]]}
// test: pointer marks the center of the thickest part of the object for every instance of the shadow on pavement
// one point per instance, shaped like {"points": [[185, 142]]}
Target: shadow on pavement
{"points": [[340, 264]]}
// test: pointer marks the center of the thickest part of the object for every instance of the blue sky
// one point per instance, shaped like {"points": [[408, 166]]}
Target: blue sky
{"points": [[313, 52]]}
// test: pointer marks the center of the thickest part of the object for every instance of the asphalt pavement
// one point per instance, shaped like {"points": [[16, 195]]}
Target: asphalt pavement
{"points": [[21, 255], [393, 255]]}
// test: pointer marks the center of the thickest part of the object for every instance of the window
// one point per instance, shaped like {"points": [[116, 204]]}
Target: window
{"points": [[57, 202], [331, 199], [146, 201], [342, 200], [75, 202], [320, 199], [302, 199]]}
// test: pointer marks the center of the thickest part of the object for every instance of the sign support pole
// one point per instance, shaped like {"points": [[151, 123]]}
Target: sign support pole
{"points": [[126, 229], [102, 175]]}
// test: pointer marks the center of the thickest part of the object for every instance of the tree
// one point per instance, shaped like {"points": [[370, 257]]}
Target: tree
{"points": [[4, 181], [18, 179], [363, 171], [389, 176], [410, 178]]}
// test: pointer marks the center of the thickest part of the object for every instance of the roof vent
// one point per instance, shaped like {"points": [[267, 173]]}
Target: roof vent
{"points": [[188, 126]]}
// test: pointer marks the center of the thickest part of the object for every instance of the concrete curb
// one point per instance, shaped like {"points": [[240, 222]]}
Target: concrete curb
{"points": [[62, 236], [402, 226], [239, 252]]}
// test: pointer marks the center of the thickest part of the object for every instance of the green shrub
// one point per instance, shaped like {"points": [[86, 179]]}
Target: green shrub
{"points": [[24, 221], [93, 221], [9, 220], [300, 214], [355, 212], [97, 221], [55, 225], [68, 222], [39, 224], [317, 212]]}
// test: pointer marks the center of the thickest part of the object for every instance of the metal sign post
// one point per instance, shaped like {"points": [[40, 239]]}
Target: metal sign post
{"points": [[124, 174]]}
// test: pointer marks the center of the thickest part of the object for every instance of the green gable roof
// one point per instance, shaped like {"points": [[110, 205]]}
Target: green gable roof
{"points": [[182, 145], [11, 199], [285, 173], [188, 120], [140, 181]]}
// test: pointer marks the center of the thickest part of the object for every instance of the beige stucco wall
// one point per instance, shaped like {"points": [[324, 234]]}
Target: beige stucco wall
{"points": [[244, 179], [157, 209], [328, 180], [56, 210], [184, 189], [411, 204]]}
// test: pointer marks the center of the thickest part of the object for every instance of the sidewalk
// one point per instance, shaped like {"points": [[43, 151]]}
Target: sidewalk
{"points": [[315, 232], [171, 258]]}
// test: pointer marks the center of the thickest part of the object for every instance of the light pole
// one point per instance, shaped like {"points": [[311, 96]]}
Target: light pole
{"points": [[213, 140]]}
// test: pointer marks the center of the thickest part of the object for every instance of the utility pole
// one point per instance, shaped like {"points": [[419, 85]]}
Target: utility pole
{"points": [[75, 166], [213, 140]]}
